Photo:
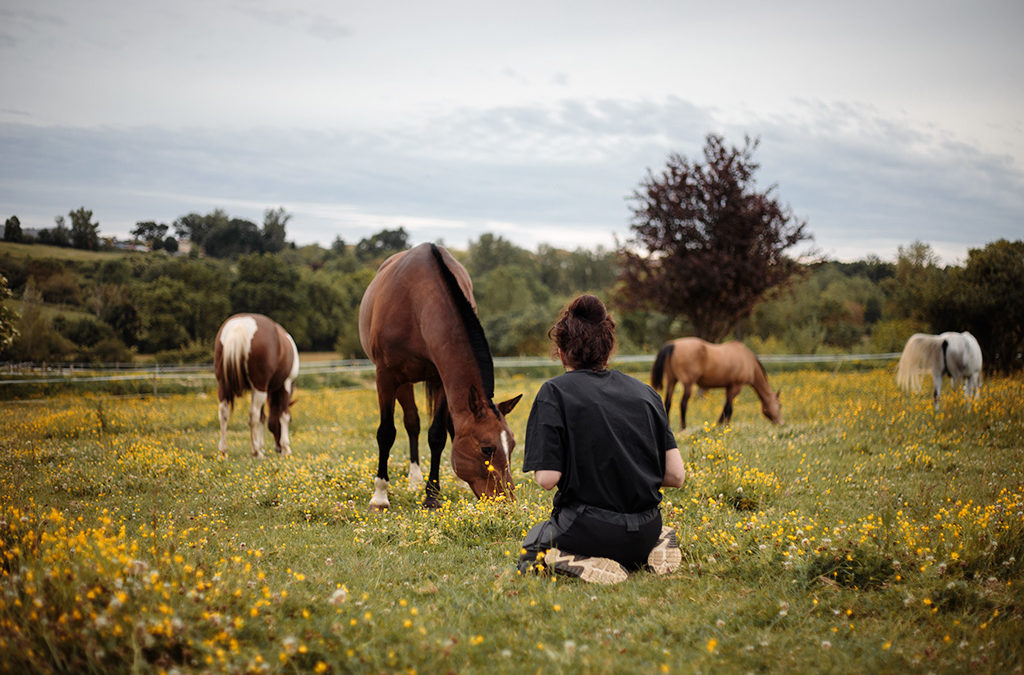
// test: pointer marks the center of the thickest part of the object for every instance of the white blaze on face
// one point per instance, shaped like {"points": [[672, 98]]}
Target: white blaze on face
{"points": [[504, 446]]}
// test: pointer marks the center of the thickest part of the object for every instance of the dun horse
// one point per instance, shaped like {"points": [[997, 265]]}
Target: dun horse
{"points": [[418, 323], [955, 354], [252, 352], [710, 366]]}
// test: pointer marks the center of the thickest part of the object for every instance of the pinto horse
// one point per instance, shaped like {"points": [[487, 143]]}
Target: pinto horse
{"points": [[252, 352], [418, 323], [955, 354], [731, 365]]}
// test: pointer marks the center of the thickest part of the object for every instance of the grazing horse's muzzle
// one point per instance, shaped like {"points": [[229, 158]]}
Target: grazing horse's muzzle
{"points": [[497, 484]]}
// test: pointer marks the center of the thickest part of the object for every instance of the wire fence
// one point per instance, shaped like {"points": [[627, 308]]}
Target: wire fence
{"points": [[32, 373]]}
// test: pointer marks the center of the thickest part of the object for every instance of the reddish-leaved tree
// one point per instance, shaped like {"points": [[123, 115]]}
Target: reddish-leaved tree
{"points": [[706, 243]]}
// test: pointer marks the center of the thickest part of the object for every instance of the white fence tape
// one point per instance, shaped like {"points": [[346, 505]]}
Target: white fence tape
{"points": [[120, 373]]}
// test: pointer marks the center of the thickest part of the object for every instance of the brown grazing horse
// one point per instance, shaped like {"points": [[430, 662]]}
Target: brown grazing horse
{"points": [[252, 352], [418, 323], [710, 366]]}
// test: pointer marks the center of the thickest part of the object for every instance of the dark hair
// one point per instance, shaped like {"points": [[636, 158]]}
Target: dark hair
{"points": [[585, 333]]}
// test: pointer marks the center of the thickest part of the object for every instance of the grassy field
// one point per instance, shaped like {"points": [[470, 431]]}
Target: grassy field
{"points": [[866, 534], [44, 251]]}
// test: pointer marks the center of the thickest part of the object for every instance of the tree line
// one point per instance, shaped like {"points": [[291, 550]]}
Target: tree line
{"points": [[709, 256]]}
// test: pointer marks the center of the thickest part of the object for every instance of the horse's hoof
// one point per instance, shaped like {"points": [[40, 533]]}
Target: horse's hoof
{"points": [[378, 508], [431, 503]]}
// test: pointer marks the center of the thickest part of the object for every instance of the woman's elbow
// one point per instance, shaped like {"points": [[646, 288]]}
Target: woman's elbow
{"points": [[674, 478], [547, 478]]}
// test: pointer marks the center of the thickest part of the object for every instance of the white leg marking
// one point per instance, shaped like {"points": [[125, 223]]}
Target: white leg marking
{"points": [[415, 476], [255, 426], [380, 494], [223, 412], [286, 448]]}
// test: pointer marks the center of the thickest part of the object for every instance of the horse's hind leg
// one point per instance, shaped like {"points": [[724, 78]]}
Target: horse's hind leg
{"points": [[256, 422], [730, 393], [936, 388], [223, 412], [385, 439], [411, 420]]}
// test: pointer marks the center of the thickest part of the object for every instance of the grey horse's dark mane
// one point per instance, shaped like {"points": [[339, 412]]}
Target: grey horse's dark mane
{"points": [[474, 330]]}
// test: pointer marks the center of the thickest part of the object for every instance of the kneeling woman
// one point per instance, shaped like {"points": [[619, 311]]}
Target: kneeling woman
{"points": [[603, 439]]}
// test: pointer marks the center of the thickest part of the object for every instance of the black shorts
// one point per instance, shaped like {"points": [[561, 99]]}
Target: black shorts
{"points": [[587, 530]]}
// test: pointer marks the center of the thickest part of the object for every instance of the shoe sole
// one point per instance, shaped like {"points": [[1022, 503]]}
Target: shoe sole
{"points": [[590, 569], [665, 557]]}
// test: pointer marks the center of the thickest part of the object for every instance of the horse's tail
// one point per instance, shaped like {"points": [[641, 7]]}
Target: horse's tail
{"points": [[921, 353], [658, 369], [232, 370]]}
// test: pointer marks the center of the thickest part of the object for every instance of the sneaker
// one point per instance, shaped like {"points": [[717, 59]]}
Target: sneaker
{"points": [[589, 568], [665, 557]]}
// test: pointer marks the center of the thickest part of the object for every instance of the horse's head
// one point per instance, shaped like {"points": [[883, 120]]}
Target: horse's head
{"points": [[482, 449], [772, 408]]}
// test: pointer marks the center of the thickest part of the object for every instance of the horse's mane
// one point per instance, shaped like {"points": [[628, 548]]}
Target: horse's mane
{"points": [[474, 330]]}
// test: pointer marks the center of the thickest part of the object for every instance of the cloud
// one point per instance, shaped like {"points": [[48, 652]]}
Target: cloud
{"points": [[559, 173]]}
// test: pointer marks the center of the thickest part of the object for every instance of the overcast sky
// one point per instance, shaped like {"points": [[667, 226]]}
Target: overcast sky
{"points": [[880, 122]]}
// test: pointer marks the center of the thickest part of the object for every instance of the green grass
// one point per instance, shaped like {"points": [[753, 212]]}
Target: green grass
{"points": [[866, 534], [44, 251]]}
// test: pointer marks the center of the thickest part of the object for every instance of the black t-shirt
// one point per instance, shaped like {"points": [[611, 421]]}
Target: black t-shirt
{"points": [[607, 433]]}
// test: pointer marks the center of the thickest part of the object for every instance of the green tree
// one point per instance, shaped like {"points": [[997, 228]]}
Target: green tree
{"points": [[490, 252], [985, 298], [59, 235], [916, 282], [150, 232], [37, 340], [234, 238], [205, 289], [84, 233], [267, 286], [12, 229], [7, 318], [382, 244], [274, 222], [706, 243], [196, 227], [161, 304]]}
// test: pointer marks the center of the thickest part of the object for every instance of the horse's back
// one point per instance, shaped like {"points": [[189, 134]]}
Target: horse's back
{"points": [[405, 297], [714, 365], [253, 350]]}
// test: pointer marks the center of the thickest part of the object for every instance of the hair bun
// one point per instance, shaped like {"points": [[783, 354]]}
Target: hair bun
{"points": [[589, 308]]}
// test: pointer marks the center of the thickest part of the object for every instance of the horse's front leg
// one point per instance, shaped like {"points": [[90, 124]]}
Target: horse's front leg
{"points": [[385, 439], [436, 438], [687, 390], [730, 393], [223, 412], [256, 422], [411, 420]]}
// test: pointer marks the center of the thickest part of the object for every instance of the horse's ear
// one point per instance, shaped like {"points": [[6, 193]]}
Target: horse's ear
{"points": [[506, 406]]}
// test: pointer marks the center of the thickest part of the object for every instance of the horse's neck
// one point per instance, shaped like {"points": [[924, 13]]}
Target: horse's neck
{"points": [[460, 376], [760, 384]]}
